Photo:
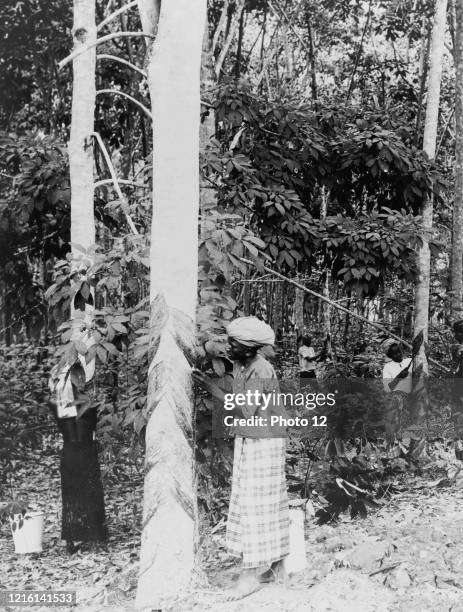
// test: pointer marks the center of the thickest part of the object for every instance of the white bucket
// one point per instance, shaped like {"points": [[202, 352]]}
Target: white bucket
{"points": [[27, 538]]}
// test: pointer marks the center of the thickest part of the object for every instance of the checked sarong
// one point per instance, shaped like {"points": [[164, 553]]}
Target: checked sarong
{"points": [[258, 517]]}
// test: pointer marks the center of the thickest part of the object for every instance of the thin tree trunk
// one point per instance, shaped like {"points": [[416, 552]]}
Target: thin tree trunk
{"points": [[422, 73], [169, 506], [287, 49], [82, 126], [311, 59], [277, 317], [326, 285], [220, 25], [3, 307], [262, 45], [239, 46], [359, 53], [81, 159], [229, 38], [456, 270], [208, 196], [429, 146], [299, 311], [452, 18]]}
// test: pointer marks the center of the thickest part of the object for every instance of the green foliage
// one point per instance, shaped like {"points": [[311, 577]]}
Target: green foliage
{"points": [[278, 157], [24, 398], [376, 164], [363, 252], [33, 37], [34, 223], [12, 508], [277, 161]]}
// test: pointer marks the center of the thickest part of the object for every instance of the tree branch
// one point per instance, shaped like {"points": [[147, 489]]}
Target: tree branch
{"points": [[121, 182], [99, 41], [204, 103], [119, 11], [446, 128], [339, 307], [121, 61], [270, 52], [220, 25], [114, 179], [281, 11], [126, 95], [359, 53]]}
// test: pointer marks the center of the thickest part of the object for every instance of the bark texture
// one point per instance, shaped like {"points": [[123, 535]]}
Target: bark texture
{"points": [[456, 270], [168, 538], [208, 198], [83, 109]]}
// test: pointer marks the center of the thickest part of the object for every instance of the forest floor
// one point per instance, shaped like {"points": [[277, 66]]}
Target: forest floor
{"points": [[407, 556]]}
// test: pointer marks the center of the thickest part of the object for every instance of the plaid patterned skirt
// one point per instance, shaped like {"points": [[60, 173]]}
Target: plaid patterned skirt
{"points": [[258, 517]]}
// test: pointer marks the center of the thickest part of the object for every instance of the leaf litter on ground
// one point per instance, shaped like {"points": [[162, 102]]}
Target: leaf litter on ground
{"points": [[405, 556]]}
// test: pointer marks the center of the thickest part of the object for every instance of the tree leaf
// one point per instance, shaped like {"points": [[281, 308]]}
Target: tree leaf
{"points": [[81, 347], [102, 353]]}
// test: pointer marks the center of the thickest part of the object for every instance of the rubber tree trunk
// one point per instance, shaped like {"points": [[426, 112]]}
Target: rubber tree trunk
{"points": [[169, 505], [80, 143], [429, 147], [81, 161], [456, 270]]}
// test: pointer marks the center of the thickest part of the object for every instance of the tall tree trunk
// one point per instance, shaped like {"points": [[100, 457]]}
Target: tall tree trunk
{"points": [[429, 147], [456, 270], [82, 126], [81, 160], [169, 507]]}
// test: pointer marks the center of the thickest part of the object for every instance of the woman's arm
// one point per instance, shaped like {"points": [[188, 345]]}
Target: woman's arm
{"points": [[204, 381]]}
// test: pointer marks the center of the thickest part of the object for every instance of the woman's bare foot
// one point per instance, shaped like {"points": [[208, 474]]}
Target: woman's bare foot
{"points": [[246, 585], [276, 573]]}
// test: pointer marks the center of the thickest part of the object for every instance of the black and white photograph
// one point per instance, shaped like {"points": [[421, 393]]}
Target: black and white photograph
{"points": [[231, 305]]}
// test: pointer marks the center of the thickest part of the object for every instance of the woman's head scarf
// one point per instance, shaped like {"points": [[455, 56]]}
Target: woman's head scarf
{"points": [[251, 331]]}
